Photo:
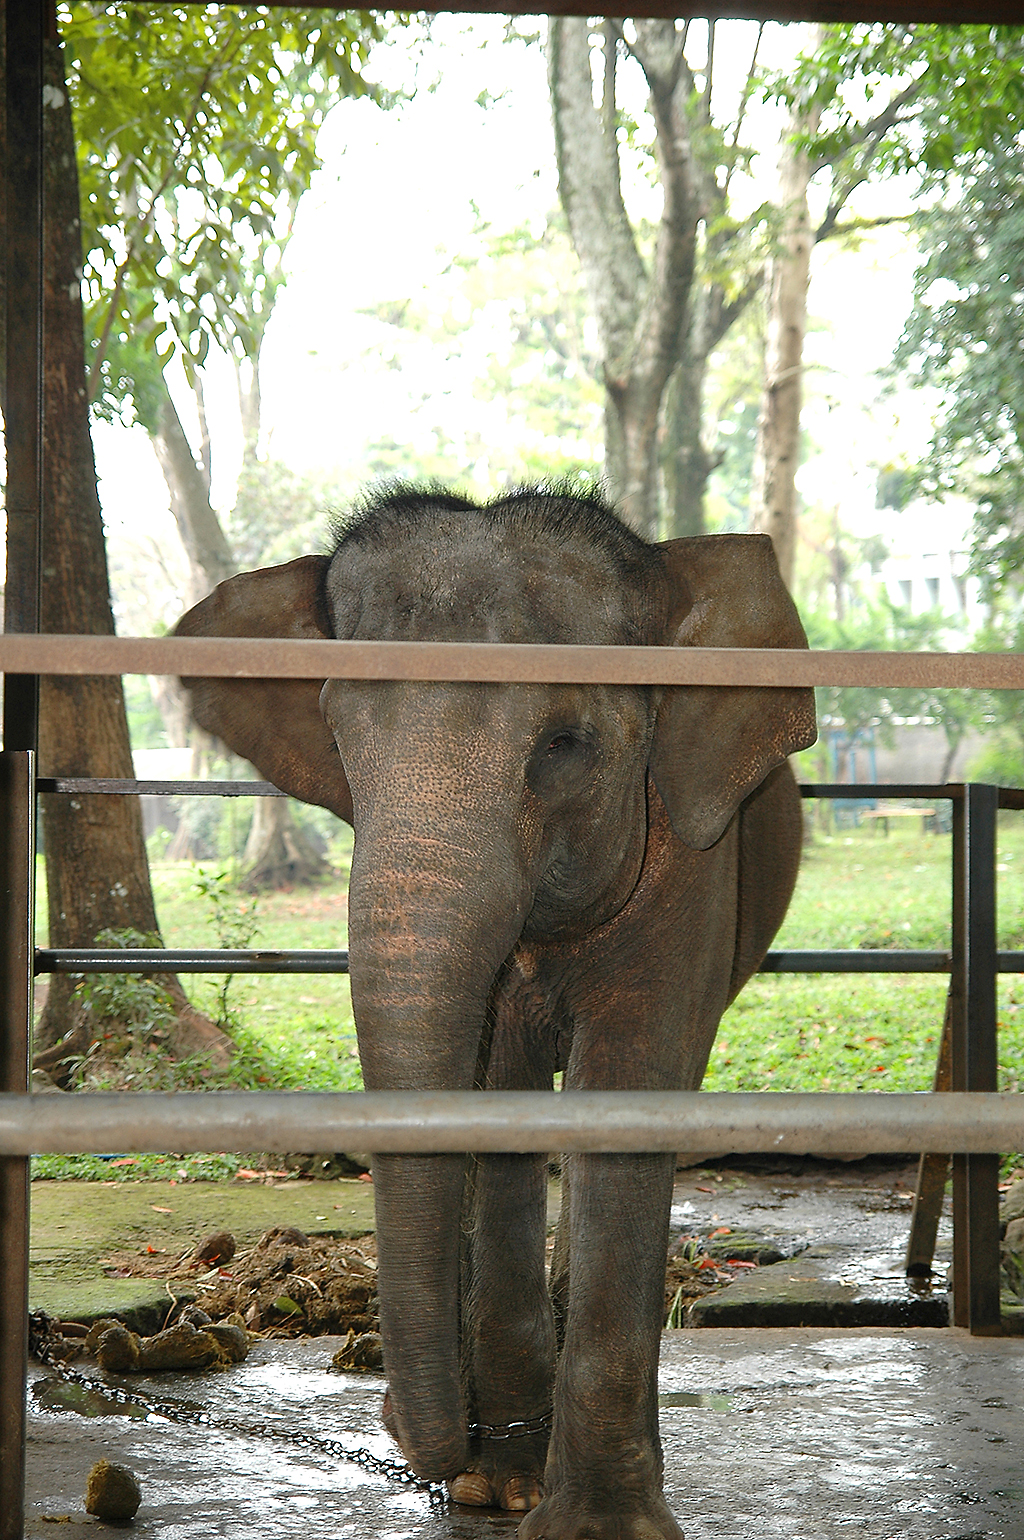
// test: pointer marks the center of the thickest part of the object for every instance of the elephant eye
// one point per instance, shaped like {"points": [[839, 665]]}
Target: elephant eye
{"points": [[561, 760], [560, 742]]}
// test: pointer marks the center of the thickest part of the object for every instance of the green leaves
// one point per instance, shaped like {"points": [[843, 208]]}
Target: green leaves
{"points": [[947, 105], [196, 130], [965, 337]]}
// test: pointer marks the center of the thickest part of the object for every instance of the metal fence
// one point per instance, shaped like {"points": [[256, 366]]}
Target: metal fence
{"points": [[974, 1123]]}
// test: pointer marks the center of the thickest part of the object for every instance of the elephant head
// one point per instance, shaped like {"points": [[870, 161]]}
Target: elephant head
{"points": [[488, 815]]}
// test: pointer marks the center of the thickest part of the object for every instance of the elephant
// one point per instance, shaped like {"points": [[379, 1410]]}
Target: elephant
{"points": [[545, 878]]}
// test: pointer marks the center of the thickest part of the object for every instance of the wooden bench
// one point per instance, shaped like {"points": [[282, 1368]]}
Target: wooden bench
{"points": [[883, 814]]}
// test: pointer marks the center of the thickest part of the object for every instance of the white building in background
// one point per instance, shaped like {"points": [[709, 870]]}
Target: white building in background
{"points": [[929, 547]]}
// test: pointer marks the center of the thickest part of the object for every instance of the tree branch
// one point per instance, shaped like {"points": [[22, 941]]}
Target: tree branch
{"points": [[589, 188], [829, 228], [709, 72], [872, 131], [143, 220], [748, 91]]}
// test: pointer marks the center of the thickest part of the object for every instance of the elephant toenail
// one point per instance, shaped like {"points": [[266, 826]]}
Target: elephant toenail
{"points": [[519, 1495], [471, 1488]]}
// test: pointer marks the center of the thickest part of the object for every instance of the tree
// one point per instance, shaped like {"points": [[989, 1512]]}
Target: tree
{"points": [[659, 316], [871, 100], [97, 872], [188, 206], [189, 217], [773, 508], [964, 336]]}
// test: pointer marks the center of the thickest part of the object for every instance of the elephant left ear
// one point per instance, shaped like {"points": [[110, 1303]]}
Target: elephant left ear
{"points": [[714, 745], [276, 724]]}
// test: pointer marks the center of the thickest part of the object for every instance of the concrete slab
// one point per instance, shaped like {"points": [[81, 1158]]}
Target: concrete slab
{"points": [[789, 1435], [74, 1225], [859, 1214], [825, 1286]]}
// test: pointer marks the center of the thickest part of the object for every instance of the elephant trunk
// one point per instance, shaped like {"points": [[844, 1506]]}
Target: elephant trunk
{"points": [[422, 970]]}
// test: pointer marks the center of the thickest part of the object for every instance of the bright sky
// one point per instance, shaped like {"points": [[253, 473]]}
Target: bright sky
{"points": [[395, 202]]}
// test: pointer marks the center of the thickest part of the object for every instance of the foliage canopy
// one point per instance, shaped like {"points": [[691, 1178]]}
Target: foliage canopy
{"points": [[196, 135]]}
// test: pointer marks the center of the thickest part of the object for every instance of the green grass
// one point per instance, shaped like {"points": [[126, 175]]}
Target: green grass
{"points": [[143, 1168], [784, 1033], [848, 1032]]}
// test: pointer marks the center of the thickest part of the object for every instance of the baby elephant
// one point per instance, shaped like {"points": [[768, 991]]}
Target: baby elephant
{"points": [[546, 878]]}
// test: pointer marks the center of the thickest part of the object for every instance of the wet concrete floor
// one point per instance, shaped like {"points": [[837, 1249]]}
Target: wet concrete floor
{"points": [[787, 1434], [800, 1434]]}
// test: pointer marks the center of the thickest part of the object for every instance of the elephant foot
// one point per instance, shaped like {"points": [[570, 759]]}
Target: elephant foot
{"points": [[503, 1473], [517, 1494], [575, 1515], [508, 1481]]}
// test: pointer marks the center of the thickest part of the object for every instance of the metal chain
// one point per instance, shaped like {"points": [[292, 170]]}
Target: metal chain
{"points": [[510, 1429], [177, 1412], [389, 1469]]}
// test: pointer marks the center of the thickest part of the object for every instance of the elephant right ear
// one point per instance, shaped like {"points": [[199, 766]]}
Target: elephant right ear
{"points": [[274, 723], [714, 744]]}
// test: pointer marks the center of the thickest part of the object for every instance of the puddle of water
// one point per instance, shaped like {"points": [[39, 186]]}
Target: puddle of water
{"points": [[695, 1398], [60, 1396]]}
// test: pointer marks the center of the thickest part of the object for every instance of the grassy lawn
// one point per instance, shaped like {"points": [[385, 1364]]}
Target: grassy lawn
{"points": [[785, 1033], [808, 1032]]}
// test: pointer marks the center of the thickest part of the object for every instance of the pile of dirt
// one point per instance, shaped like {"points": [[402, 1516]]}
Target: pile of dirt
{"points": [[293, 1285], [287, 1285]]}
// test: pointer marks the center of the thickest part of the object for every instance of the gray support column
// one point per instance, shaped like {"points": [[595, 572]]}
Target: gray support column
{"points": [[22, 401], [17, 870], [973, 996]]}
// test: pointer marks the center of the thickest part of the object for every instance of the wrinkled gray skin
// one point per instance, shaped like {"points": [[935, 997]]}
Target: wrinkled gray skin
{"points": [[545, 878]]}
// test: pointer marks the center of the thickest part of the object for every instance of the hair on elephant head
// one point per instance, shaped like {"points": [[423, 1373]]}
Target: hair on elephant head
{"points": [[545, 877]]}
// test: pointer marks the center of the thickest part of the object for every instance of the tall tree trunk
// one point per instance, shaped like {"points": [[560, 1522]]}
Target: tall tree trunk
{"points": [[96, 867], [656, 321], [639, 313], [210, 558], [777, 456], [277, 854], [686, 462], [250, 402]]}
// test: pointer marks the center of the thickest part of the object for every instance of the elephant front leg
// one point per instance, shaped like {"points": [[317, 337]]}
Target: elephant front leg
{"points": [[603, 1479], [508, 1334]]}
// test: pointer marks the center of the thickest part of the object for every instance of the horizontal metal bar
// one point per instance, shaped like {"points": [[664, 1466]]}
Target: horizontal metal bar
{"points": [[192, 960], [870, 791], [859, 960], [88, 786], [437, 1121], [109, 786], [876, 961], [960, 12], [213, 960], [491, 662]]}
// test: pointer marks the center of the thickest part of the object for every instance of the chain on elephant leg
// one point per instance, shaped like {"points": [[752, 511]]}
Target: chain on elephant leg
{"points": [[505, 1470]]}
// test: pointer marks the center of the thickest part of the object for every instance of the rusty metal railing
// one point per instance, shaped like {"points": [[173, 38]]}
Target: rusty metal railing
{"points": [[497, 663]]}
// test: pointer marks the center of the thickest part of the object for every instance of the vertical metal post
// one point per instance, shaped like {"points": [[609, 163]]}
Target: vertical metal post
{"points": [[973, 997], [932, 1170], [17, 872], [21, 189]]}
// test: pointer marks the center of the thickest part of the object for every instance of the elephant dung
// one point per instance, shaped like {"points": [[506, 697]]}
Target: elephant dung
{"points": [[359, 1354], [112, 1492], [182, 1346]]}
